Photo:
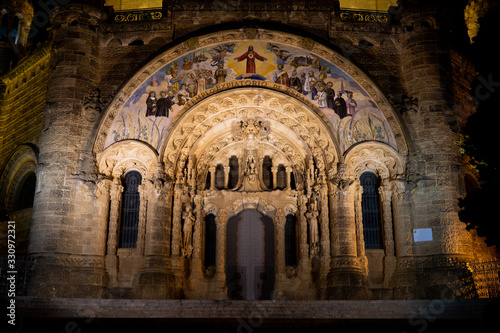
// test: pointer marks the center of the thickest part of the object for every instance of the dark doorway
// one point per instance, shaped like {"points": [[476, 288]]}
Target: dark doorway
{"points": [[250, 256]]}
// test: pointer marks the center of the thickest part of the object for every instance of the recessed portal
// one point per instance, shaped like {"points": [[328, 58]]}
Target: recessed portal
{"points": [[250, 256]]}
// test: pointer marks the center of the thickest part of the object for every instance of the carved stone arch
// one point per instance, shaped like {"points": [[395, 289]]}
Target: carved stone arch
{"points": [[374, 156], [21, 163], [207, 127], [215, 147], [128, 155], [401, 135]]}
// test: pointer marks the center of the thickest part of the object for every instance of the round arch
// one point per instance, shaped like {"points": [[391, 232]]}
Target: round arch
{"points": [[128, 155], [22, 162], [377, 157], [295, 130], [315, 51]]}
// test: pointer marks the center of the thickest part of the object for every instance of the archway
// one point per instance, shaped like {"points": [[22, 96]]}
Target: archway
{"points": [[250, 256], [245, 139]]}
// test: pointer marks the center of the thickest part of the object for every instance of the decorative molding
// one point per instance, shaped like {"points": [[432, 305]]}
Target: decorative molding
{"points": [[134, 16], [23, 161], [128, 155], [364, 16], [194, 131], [376, 157]]}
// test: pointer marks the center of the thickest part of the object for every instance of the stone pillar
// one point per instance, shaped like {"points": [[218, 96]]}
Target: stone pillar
{"points": [[302, 222], [403, 235], [176, 221], [360, 239], [345, 279], [404, 280], [279, 253], [196, 286], [155, 278], [141, 228], [274, 171], [67, 135], [220, 291], [226, 176], [113, 227], [103, 198], [301, 285], [385, 192], [288, 177], [212, 177], [324, 221]]}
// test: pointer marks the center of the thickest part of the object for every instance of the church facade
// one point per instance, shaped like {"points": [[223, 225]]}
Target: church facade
{"points": [[224, 151]]}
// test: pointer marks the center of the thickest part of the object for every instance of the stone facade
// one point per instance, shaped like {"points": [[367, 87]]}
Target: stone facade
{"points": [[94, 66]]}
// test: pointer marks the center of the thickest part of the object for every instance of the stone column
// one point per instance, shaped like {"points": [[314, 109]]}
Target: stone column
{"points": [[360, 239], [226, 176], [196, 279], [176, 221], [141, 228], [385, 193], [301, 285], [155, 278], [288, 177], [274, 171], [212, 177], [102, 205], [345, 279], [402, 219], [113, 228], [302, 221], [324, 221], [404, 281], [279, 253], [220, 291]]}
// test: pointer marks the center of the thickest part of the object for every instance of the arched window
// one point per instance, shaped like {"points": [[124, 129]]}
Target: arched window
{"points": [[290, 241], [281, 177], [219, 176], [267, 175], [210, 240], [233, 172], [131, 200], [208, 181], [292, 181], [14, 32], [370, 209], [470, 183], [25, 192], [4, 27]]}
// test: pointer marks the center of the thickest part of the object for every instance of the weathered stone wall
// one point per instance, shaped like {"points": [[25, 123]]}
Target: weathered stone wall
{"points": [[22, 103], [63, 236]]}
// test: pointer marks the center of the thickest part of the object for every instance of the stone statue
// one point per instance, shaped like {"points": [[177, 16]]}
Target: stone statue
{"points": [[189, 219], [312, 219]]}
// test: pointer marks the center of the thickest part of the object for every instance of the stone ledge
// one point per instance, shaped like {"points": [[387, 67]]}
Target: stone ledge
{"points": [[203, 309]]}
